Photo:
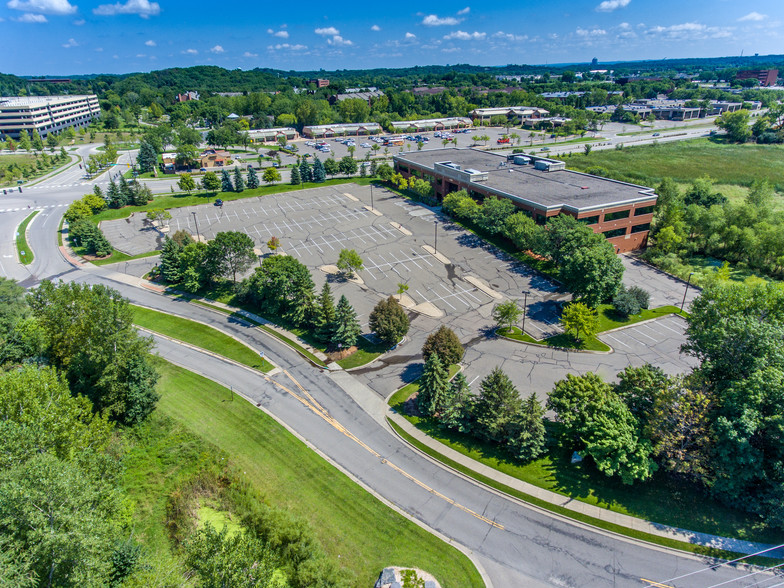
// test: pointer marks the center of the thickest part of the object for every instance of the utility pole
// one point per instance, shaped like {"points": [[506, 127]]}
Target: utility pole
{"points": [[195, 220], [525, 308], [685, 291], [435, 235]]}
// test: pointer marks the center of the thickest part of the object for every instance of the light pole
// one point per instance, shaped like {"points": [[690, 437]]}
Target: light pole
{"points": [[435, 235], [685, 291], [371, 197], [195, 220], [525, 308]]}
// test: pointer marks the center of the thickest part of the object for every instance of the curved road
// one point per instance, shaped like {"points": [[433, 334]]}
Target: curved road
{"points": [[516, 544]]}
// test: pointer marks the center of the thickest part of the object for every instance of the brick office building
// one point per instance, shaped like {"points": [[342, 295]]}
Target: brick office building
{"points": [[766, 77], [543, 187]]}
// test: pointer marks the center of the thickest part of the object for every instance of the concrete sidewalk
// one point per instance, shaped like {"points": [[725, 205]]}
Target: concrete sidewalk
{"points": [[695, 538]]}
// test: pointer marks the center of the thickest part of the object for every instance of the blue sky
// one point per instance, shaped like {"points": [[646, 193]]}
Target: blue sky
{"points": [[59, 37]]}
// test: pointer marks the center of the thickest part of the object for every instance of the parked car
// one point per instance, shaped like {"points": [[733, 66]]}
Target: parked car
{"points": [[218, 202]]}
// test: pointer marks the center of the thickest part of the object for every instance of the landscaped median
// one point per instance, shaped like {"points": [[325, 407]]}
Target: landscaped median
{"points": [[609, 320], [22, 248], [199, 335], [578, 491]]}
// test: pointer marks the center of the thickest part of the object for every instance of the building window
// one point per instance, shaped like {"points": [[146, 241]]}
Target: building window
{"points": [[589, 220], [641, 228], [611, 216], [614, 233], [643, 210]]}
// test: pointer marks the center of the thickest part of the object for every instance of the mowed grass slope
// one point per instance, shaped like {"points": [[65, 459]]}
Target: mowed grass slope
{"points": [[349, 522], [199, 335], [683, 161]]}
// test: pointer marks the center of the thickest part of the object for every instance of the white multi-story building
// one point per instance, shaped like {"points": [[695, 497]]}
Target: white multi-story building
{"points": [[48, 114]]}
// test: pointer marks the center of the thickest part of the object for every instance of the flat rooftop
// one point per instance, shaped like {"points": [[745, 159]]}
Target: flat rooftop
{"points": [[542, 189], [6, 101]]}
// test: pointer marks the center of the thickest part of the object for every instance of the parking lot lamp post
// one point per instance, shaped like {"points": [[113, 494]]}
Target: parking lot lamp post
{"points": [[525, 308], [198, 237], [371, 197], [435, 236], [685, 291]]}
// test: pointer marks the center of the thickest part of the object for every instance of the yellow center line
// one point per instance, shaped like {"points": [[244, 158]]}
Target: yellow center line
{"points": [[309, 402], [655, 584]]}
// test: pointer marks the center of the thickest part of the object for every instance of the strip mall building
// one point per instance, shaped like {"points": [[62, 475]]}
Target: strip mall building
{"points": [[542, 187]]}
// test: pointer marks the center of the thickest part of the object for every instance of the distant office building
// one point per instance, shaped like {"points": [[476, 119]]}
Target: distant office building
{"points": [[272, 135], [368, 95], [47, 114], [319, 83], [340, 130], [542, 187], [512, 113], [766, 77], [432, 124], [187, 96]]}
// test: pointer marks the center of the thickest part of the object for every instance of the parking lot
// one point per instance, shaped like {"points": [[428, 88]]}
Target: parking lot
{"points": [[452, 278]]}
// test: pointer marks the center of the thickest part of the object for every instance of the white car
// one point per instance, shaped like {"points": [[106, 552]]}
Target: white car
{"points": [[365, 145]]}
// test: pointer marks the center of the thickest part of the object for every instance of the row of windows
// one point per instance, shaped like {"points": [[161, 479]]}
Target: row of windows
{"points": [[611, 216], [621, 232]]}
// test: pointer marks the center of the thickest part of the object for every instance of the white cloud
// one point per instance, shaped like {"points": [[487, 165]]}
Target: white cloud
{"points": [[282, 34], [79, 22], [375, 28], [150, 43], [99, 49], [45, 6], [755, 16], [217, 49], [70, 43], [464, 36], [690, 31], [249, 54], [465, 10], [432, 20], [590, 32], [610, 5], [189, 52], [327, 31], [288, 47], [339, 41], [143, 8], [141, 55], [28, 17], [410, 36], [509, 36]]}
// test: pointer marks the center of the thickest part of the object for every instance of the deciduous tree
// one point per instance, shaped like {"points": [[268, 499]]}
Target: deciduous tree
{"points": [[389, 321]]}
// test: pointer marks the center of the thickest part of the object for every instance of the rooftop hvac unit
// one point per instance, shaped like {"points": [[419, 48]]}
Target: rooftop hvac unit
{"points": [[522, 159]]}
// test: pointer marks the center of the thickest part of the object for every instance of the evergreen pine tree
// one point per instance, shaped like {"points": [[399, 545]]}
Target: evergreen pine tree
{"points": [[253, 179], [433, 386], [113, 195], [319, 175], [526, 439], [362, 171], [147, 158], [239, 183], [325, 314], [457, 410], [373, 168], [170, 261], [305, 172], [347, 329], [226, 185], [498, 406], [296, 179]]}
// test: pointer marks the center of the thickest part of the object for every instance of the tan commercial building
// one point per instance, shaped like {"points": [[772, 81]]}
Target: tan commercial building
{"points": [[47, 114], [541, 187]]}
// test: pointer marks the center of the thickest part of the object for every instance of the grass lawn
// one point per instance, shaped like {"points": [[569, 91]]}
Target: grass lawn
{"points": [[662, 500], [24, 159], [199, 335], [349, 522], [22, 248], [609, 319], [565, 340], [684, 161]]}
